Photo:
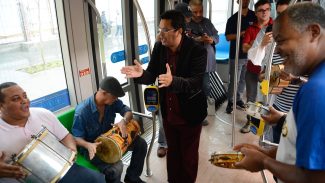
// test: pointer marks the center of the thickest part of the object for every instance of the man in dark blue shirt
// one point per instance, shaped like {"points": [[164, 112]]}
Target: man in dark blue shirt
{"points": [[95, 116], [248, 18]]}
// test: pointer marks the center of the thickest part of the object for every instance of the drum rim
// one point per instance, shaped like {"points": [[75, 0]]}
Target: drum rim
{"points": [[30, 146], [115, 143]]}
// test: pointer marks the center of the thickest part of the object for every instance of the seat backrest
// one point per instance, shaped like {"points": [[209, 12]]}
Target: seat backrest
{"points": [[66, 119], [222, 48]]}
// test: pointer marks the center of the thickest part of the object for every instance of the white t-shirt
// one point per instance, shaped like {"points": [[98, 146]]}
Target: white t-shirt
{"points": [[13, 139], [287, 147]]}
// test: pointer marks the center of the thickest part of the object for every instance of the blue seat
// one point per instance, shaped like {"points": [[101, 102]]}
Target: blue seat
{"points": [[222, 49]]}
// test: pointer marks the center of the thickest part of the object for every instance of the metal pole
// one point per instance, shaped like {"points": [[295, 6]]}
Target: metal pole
{"points": [[236, 72], [268, 70], [145, 26], [153, 118], [210, 10], [149, 172]]}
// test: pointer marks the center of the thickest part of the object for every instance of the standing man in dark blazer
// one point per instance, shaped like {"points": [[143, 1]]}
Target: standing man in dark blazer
{"points": [[179, 63]]}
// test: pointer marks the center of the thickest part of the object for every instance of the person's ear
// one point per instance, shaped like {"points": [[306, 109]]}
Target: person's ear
{"points": [[315, 31]]}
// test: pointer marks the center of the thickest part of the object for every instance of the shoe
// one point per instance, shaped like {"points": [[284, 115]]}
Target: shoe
{"points": [[240, 104], [229, 108], [128, 180], [246, 128], [161, 152], [205, 122]]}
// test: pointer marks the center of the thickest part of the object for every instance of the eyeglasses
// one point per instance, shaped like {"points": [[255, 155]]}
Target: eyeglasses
{"points": [[263, 10], [165, 31]]}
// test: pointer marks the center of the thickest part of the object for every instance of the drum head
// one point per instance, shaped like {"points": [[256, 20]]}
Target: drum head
{"points": [[109, 150]]}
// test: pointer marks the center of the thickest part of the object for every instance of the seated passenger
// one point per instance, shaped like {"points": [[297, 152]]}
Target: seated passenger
{"points": [[96, 116], [18, 122]]}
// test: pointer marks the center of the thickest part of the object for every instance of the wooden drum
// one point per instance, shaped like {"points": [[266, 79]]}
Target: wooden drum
{"points": [[113, 145]]}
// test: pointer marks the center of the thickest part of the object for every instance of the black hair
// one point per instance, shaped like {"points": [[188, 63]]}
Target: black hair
{"points": [[260, 3], [4, 86], [176, 17], [282, 2]]}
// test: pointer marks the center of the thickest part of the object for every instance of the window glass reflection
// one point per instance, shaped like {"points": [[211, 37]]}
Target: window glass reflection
{"points": [[113, 58], [31, 51]]}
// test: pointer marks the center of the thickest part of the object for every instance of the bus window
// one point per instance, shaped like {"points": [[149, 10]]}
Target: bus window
{"points": [[31, 52], [112, 34]]}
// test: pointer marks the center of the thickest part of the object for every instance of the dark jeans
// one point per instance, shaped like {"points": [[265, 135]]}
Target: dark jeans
{"points": [[82, 175], [251, 86], [114, 171], [240, 78], [161, 136], [183, 152], [277, 129]]}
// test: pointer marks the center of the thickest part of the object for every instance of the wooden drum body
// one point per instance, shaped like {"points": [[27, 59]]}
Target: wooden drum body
{"points": [[113, 145]]}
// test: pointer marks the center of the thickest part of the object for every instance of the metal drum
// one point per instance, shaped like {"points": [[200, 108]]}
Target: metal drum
{"points": [[113, 145], [256, 109], [226, 160], [44, 159]]}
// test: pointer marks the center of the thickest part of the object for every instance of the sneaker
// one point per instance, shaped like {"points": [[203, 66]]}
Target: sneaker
{"points": [[229, 108], [161, 152], [205, 122], [240, 104], [246, 128], [128, 180]]}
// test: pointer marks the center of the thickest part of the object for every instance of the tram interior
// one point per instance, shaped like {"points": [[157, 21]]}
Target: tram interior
{"points": [[59, 51]]}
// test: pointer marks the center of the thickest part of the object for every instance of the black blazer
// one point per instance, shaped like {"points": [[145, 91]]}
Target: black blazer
{"points": [[187, 82]]}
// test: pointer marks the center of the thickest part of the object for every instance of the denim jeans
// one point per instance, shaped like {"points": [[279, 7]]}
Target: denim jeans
{"points": [[240, 79], [82, 175]]}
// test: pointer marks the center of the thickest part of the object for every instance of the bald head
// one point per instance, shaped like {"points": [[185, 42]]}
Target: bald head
{"points": [[300, 35]]}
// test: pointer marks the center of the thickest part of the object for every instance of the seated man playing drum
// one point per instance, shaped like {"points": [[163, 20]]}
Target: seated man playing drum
{"points": [[94, 117], [18, 122]]}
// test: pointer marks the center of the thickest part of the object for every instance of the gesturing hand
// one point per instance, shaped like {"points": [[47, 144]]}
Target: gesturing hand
{"points": [[133, 71], [165, 80], [10, 171]]}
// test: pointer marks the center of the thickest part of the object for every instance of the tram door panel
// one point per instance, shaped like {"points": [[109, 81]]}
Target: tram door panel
{"points": [[111, 41], [148, 10]]}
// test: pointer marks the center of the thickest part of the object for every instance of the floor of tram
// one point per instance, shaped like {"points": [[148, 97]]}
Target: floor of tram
{"points": [[216, 137]]}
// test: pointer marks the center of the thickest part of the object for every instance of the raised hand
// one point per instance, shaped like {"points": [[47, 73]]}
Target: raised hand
{"points": [[10, 171], [133, 71], [165, 80]]}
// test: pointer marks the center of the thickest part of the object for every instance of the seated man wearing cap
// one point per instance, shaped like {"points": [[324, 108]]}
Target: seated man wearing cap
{"points": [[96, 116]]}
